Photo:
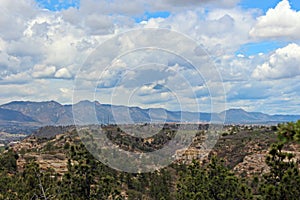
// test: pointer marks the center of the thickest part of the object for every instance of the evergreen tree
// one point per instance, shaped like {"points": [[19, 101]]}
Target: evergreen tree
{"points": [[283, 180], [214, 181]]}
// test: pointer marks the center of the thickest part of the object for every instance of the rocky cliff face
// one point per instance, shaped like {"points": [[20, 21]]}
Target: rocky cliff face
{"points": [[48, 153]]}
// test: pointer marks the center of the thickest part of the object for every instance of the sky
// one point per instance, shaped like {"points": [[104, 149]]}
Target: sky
{"points": [[209, 55]]}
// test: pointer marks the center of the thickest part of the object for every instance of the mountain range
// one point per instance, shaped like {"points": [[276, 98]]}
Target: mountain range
{"points": [[23, 115]]}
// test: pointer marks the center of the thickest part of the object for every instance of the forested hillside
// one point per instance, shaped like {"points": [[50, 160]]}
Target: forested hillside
{"points": [[61, 168]]}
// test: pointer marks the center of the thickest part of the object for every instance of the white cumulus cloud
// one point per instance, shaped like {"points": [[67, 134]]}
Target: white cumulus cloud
{"points": [[283, 63], [281, 21], [43, 71], [63, 73]]}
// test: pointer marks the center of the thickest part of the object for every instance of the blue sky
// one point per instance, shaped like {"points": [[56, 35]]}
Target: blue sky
{"points": [[250, 49], [57, 5], [148, 15], [264, 5], [254, 47]]}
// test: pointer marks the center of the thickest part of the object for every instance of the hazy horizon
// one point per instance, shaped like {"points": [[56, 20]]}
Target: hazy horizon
{"points": [[92, 101]]}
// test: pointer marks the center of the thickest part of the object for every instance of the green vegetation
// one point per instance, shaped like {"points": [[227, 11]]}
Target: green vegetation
{"points": [[8, 161], [289, 131], [214, 181], [283, 180], [2, 148], [87, 178]]}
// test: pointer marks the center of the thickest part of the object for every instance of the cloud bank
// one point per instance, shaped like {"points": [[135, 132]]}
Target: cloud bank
{"points": [[42, 50]]}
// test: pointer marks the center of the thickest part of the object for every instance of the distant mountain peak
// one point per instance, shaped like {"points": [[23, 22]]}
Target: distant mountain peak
{"points": [[54, 113], [87, 102], [30, 102], [237, 109], [234, 110]]}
